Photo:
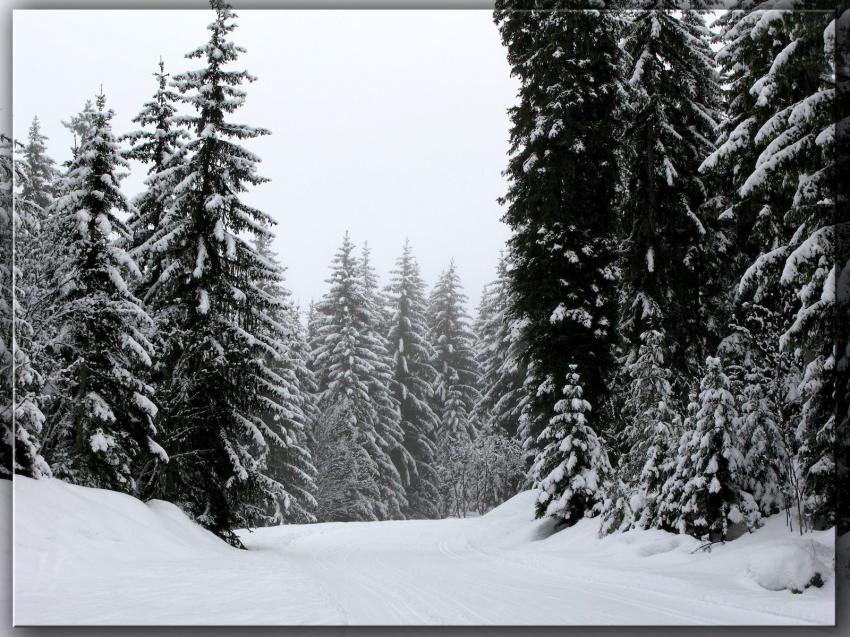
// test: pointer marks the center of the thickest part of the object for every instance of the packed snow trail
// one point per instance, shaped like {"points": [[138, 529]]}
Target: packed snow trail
{"points": [[86, 556]]}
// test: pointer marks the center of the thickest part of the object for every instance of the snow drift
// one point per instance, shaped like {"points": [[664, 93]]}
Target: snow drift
{"points": [[88, 556]]}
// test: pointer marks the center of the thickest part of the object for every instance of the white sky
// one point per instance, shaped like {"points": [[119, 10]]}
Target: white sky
{"points": [[390, 124]]}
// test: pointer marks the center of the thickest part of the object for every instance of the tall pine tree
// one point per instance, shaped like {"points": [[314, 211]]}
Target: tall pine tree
{"points": [[561, 203], [671, 120], [412, 375], [455, 386], [102, 427], [21, 417], [221, 333]]}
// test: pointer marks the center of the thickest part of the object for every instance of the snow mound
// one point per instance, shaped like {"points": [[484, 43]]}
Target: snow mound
{"points": [[51, 512], [794, 566]]}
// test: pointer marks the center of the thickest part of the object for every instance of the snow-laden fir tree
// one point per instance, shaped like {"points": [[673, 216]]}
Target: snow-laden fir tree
{"points": [[34, 247], [653, 428], [572, 466], [389, 415], [671, 121], [21, 383], [750, 40], [101, 428], [499, 354], [706, 492], [763, 379], [373, 291], [7, 306], [788, 178], [800, 151], [155, 144], [455, 384], [289, 461], [350, 363], [220, 332], [411, 384], [38, 170], [563, 178]]}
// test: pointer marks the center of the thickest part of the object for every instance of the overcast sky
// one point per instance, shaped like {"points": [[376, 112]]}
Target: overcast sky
{"points": [[389, 124]]}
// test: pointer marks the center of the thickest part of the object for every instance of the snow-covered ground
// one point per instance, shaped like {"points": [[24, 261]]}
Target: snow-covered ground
{"points": [[85, 556]]}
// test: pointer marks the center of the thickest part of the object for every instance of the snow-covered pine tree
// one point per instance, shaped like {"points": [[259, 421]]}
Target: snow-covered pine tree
{"points": [[21, 418], [670, 122], [34, 247], [289, 461], [373, 291], [156, 144], [760, 376], [7, 307], [842, 280], [389, 426], [219, 330], [749, 39], [572, 466], [455, 386], [499, 355], [38, 170], [563, 179], [711, 480], [101, 428], [799, 152], [412, 375], [652, 431], [783, 160], [349, 359]]}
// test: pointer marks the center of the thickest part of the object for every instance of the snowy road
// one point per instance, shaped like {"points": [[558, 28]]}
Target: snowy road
{"points": [[433, 572], [94, 557]]}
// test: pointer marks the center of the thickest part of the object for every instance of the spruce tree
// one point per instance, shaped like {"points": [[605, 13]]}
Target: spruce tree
{"points": [[671, 119], [561, 203], [102, 428], [156, 144], [499, 355], [412, 375], [289, 462], [349, 359], [21, 417], [760, 375], [38, 170], [572, 466], [220, 330], [35, 248], [7, 307], [653, 429], [801, 152], [389, 417], [708, 485], [783, 160], [455, 385]]}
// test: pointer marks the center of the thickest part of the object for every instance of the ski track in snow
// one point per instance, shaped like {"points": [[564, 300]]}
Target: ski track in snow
{"points": [[86, 556]]}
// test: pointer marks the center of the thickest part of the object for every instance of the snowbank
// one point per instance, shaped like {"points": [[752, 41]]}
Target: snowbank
{"points": [[87, 556], [791, 566]]}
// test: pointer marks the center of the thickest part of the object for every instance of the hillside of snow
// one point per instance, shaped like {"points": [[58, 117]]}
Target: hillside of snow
{"points": [[87, 556]]}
